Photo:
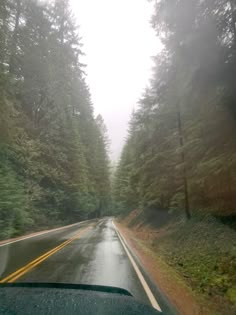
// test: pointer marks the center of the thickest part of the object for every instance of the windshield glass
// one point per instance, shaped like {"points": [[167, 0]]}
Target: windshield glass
{"points": [[118, 148]]}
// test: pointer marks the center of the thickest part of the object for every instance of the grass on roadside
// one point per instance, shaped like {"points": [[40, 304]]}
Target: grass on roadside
{"points": [[202, 254]]}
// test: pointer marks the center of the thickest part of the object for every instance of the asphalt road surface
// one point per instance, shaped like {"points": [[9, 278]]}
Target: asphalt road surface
{"points": [[89, 252]]}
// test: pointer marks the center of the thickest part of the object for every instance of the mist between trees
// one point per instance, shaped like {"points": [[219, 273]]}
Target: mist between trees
{"points": [[54, 165], [180, 153]]}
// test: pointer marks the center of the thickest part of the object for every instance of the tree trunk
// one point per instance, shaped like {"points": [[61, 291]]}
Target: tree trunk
{"points": [[14, 38], [233, 21], [185, 181]]}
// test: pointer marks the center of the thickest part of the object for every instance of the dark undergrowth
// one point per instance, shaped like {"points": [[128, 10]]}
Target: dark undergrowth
{"points": [[203, 251]]}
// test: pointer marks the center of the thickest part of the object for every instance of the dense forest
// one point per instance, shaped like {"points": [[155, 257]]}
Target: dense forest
{"points": [[180, 153], [54, 165]]}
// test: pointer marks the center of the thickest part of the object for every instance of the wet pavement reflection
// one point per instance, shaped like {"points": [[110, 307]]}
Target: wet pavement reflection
{"points": [[97, 257]]}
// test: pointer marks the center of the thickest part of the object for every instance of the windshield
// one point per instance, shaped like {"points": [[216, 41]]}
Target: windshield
{"points": [[118, 148]]}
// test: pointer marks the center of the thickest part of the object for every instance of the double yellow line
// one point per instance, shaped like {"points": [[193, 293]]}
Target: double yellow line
{"points": [[20, 272]]}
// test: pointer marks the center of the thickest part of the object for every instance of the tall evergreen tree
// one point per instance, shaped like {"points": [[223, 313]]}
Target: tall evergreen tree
{"points": [[183, 139], [51, 144]]}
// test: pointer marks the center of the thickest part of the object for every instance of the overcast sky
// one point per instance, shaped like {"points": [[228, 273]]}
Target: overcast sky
{"points": [[118, 42]]}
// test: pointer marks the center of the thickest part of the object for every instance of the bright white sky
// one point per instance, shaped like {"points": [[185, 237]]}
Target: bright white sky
{"points": [[118, 42]]}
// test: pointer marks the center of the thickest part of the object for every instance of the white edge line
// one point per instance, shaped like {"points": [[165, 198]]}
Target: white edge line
{"points": [[40, 233], [139, 274]]}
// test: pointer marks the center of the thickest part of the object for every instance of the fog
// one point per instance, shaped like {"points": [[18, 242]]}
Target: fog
{"points": [[118, 44]]}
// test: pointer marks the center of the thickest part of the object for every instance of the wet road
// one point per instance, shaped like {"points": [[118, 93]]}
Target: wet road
{"points": [[92, 254]]}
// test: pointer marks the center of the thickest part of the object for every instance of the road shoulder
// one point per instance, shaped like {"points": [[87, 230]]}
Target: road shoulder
{"points": [[35, 234], [165, 277]]}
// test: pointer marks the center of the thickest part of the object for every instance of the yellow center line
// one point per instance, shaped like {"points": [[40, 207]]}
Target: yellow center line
{"points": [[20, 272]]}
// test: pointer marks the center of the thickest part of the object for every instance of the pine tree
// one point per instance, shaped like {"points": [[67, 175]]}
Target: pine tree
{"points": [[50, 141], [182, 139]]}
